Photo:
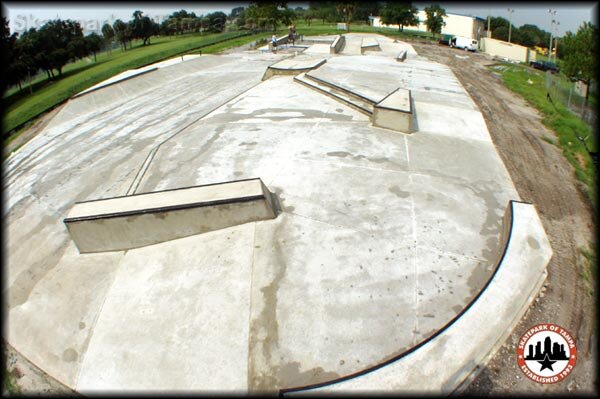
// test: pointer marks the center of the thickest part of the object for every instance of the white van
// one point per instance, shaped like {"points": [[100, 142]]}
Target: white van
{"points": [[463, 42]]}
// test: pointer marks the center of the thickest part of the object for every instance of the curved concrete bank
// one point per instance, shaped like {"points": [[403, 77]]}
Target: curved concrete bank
{"points": [[441, 363]]}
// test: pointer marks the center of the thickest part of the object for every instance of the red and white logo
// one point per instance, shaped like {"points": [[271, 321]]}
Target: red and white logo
{"points": [[546, 353]]}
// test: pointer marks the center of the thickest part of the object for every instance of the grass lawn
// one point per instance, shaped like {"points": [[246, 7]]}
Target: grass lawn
{"points": [[565, 124], [20, 107]]}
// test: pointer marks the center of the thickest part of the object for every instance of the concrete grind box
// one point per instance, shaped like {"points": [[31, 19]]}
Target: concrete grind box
{"points": [[395, 112], [121, 223]]}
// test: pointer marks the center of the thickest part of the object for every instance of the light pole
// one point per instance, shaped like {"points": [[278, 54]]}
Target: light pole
{"points": [[510, 11], [551, 12], [556, 41]]}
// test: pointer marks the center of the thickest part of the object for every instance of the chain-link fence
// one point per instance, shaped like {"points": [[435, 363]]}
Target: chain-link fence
{"points": [[572, 96]]}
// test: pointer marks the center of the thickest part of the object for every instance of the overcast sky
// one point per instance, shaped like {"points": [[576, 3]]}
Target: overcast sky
{"points": [[24, 15]]}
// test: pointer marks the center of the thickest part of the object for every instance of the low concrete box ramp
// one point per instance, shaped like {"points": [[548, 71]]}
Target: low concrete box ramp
{"points": [[369, 44], [294, 65], [395, 112], [337, 45], [122, 223]]}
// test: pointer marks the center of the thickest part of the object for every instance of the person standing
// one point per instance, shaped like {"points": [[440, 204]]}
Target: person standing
{"points": [[274, 43], [291, 37]]}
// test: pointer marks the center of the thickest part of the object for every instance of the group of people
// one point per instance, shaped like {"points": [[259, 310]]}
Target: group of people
{"points": [[291, 37]]}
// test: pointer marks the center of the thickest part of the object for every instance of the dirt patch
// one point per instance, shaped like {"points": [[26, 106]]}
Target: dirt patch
{"points": [[29, 380], [543, 177], [580, 159]]}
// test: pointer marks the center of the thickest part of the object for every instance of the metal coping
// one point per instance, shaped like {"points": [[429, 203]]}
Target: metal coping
{"points": [[165, 209]]}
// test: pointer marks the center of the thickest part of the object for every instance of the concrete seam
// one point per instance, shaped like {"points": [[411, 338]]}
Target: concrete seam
{"points": [[157, 147], [406, 148], [415, 264], [93, 327], [250, 306]]}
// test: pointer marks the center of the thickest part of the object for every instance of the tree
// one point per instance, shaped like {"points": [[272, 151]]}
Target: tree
{"points": [[62, 41], [216, 21], [325, 10], [10, 74], [108, 34], [122, 33], [346, 9], [366, 9], [240, 20], [308, 16], [580, 51], [501, 33], [435, 18], [143, 27], [236, 12], [94, 43], [531, 36], [400, 14], [497, 22], [269, 14]]}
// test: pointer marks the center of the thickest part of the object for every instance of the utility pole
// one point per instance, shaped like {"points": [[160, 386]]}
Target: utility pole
{"points": [[510, 11], [556, 41], [551, 12]]}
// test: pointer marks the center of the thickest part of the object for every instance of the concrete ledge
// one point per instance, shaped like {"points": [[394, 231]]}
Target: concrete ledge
{"points": [[121, 223], [341, 88], [441, 363], [341, 95], [369, 43], [401, 56], [395, 112], [337, 44], [280, 40], [293, 66]]}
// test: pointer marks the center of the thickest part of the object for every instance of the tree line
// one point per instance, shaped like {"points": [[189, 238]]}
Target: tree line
{"points": [[59, 42]]}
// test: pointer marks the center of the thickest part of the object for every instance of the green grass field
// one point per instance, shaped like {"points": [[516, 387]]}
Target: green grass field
{"points": [[21, 107], [565, 124]]}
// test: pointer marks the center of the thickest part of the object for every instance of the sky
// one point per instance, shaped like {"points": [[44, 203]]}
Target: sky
{"points": [[92, 15]]}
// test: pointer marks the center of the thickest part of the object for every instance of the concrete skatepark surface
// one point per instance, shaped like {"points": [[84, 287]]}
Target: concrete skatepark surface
{"points": [[382, 240]]}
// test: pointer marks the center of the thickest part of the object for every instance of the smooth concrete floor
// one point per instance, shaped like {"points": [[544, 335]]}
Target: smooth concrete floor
{"points": [[383, 236]]}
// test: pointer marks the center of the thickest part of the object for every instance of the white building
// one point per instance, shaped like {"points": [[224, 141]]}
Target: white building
{"points": [[456, 25]]}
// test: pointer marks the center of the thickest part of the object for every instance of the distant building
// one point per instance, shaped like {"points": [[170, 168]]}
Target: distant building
{"points": [[456, 25]]}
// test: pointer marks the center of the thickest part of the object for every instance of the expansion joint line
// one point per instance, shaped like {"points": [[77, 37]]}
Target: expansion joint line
{"points": [[146, 164]]}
